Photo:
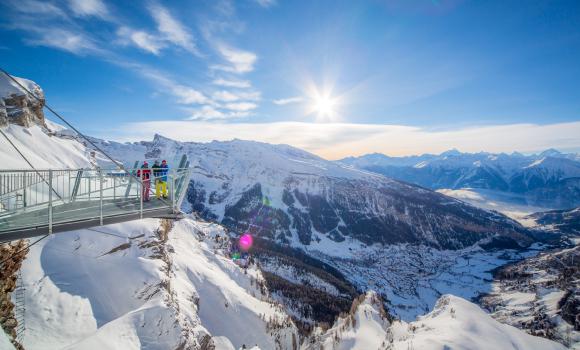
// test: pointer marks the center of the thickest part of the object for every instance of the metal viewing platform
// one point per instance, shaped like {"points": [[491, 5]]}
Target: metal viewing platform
{"points": [[40, 202]]}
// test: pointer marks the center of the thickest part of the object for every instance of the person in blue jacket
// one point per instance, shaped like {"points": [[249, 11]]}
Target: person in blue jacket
{"points": [[160, 173]]}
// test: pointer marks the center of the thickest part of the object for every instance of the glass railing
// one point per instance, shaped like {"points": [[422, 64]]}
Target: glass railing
{"points": [[37, 198]]}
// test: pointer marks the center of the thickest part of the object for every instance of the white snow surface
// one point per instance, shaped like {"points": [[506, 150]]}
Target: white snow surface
{"points": [[82, 294], [5, 343], [41, 149], [9, 87], [454, 324]]}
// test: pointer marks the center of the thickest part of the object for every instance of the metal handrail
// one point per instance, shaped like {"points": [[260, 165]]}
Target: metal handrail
{"points": [[104, 187]]}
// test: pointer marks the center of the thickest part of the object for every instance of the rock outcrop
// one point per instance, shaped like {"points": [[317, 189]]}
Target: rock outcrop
{"points": [[12, 255], [19, 107]]}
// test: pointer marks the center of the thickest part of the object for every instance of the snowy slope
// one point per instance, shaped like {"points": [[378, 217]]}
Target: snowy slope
{"points": [[5, 343], [365, 327], [126, 287], [8, 87], [41, 149], [540, 295], [453, 324], [302, 198]]}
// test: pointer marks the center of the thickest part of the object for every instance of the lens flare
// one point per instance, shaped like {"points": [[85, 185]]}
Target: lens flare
{"points": [[246, 242]]}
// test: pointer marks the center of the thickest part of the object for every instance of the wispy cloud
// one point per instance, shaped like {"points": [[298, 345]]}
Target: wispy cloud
{"points": [[240, 61], [289, 100], [266, 3], [143, 40], [228, 96], [209, 113], [184, 94], [35, 7], [173, 30], [46, 24], [63, 39], [241, 106], [241, 84], [61, 25], [95, 8], [335, 141]]}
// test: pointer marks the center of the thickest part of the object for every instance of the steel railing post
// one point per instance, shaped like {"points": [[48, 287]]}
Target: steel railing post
{"points": [[140, 187], [50, 201], [24, 189], [101, 197], [172, 191]]}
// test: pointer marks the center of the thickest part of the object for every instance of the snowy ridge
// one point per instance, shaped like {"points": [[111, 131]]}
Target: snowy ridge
{"points": [[305, 198], [43, 150], [175, 292], [454, 323], [8, 87]]}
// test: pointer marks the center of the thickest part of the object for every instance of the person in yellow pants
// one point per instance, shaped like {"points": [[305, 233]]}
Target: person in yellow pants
{"points": [[160, 173]]}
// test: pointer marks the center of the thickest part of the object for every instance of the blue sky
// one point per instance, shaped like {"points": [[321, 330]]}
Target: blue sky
{"points": [[355, 76]]}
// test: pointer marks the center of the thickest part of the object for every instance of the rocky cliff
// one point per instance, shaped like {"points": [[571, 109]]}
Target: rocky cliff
{"points": [[19, 107]]}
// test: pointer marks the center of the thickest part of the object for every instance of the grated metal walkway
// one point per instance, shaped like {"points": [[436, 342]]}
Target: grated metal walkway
{"points": [[34, 203]]}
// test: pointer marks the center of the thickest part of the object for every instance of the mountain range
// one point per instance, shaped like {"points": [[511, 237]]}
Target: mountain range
{"points": [[550, 179]]}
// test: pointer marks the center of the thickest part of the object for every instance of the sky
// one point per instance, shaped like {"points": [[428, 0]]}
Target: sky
{"points": [[337, 78]]}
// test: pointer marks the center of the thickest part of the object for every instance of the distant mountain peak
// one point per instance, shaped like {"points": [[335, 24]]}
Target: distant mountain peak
{"points": [[451, 152], [550, 153]]}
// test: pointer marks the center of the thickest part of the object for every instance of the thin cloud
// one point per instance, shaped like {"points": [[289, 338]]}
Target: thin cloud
{"points": [[228, 96], [141, 39], [241, 106], [240, 84], [89, 8], [172, 30], [210, 113], [266, 3], [184, 94], [240, 61], [336, 141], [34, 7], [289, 100], [45, 24], [62, 39]]}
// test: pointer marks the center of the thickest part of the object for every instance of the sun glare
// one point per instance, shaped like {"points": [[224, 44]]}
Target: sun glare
{"points": [[324, 106]]}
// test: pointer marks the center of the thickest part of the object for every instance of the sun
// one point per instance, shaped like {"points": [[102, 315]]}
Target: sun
{"points": [[324, 106]]}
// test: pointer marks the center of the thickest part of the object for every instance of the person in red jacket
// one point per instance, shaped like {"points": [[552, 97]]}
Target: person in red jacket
{"points": [[145, 175]]}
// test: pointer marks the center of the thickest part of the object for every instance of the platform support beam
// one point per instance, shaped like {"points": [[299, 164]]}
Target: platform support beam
{"points": [[50, 201]]}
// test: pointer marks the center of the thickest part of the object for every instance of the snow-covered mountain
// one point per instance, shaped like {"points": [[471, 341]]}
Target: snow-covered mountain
{"points": [[550, 179], [289, 195], [367, 326], [563, 222], [150, 284], [375, 232], [147, 284], [541, 295]]}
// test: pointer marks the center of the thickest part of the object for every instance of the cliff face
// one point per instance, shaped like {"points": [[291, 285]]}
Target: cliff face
{"points": [[17, 106], [12, 255]]}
